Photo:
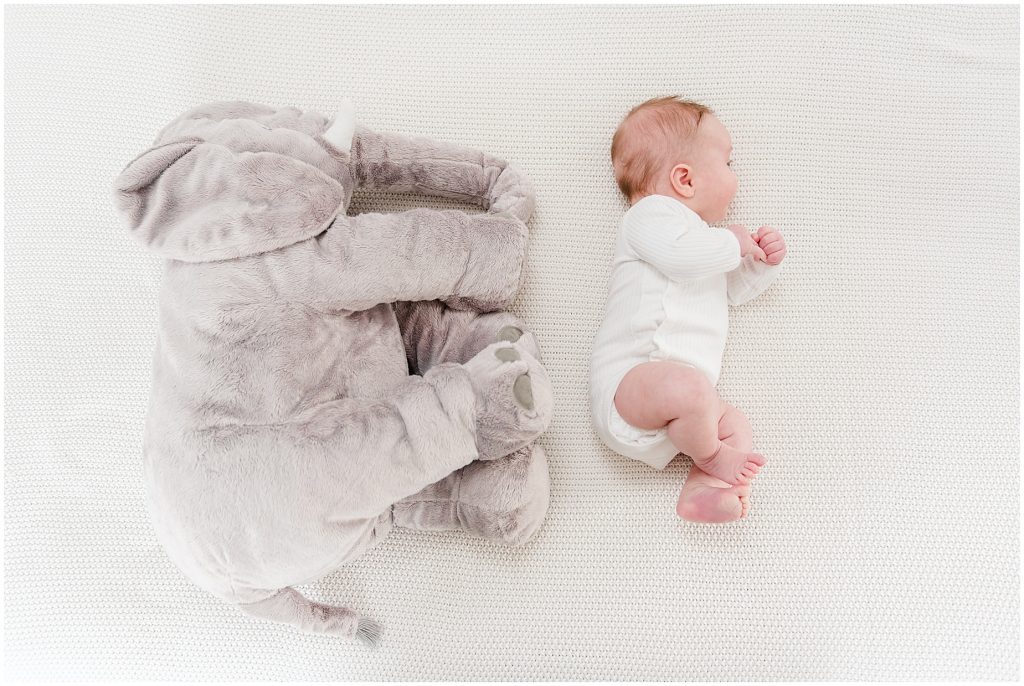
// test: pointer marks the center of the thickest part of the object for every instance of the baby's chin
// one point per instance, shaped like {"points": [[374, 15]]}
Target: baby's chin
{"points": [[720, 217], [713, 218]]}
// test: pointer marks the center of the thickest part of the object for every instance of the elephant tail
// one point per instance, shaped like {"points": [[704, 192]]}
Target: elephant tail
{"points": [[291, 607]]}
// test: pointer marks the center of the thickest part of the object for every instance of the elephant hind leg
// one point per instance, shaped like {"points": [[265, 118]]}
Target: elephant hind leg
{"points": [[503, 500]]}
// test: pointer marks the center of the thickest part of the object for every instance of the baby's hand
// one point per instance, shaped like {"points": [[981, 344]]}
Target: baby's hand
{"points": [[748, 244], [772, 244]]}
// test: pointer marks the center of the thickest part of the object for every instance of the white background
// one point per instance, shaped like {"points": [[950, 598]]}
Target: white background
{"points": [[880, 373]]}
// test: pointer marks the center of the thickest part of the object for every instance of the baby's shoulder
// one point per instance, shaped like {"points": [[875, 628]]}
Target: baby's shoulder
{"points": [[658, 212], [653, 203]]}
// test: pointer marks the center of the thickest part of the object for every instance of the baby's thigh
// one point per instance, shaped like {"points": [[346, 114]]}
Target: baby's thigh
{"points": [[652, 394]]}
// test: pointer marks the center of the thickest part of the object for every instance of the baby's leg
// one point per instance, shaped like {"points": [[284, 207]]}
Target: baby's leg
{"points": [[707, 499], [653, 395], [734, 429]]}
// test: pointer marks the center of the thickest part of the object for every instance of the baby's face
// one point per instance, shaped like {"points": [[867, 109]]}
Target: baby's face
{"points": [[714, 183]]}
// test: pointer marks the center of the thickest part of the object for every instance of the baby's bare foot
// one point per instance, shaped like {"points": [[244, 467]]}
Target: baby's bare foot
{"points": [[731, 465], [709, 500]]}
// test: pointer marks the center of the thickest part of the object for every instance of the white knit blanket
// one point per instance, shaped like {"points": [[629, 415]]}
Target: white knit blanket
{"points": [[880, 372]]}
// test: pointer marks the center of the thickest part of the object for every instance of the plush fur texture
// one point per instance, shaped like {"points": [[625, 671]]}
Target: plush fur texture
{"points": [[313, 369]]}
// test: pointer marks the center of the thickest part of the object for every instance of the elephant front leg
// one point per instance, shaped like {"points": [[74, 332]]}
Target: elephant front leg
{"points": [[434, 334], [503, 500]]}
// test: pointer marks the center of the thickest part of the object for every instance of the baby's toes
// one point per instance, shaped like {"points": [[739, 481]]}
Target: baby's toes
{"points": [[749, 470]]}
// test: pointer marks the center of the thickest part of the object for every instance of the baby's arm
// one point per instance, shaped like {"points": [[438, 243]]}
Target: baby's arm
{"points": [[753, 277], [684, 249]]}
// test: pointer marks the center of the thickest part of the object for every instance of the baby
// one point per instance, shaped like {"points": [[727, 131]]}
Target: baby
{"points": [[658, 353]]}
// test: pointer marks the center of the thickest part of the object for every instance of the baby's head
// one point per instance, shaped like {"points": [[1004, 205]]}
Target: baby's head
{"points": [[674, 147]]}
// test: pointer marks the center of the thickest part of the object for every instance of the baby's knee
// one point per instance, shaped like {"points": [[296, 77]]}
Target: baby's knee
{"points": [[663, 391], [687, 388]]}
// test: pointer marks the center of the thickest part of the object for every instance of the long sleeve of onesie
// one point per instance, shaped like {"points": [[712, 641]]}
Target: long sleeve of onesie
{"points": [[672, 238], [750, 279]]}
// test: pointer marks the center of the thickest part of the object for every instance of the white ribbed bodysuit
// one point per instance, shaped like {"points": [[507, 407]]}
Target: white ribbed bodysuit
{"points": [[673, 279]]}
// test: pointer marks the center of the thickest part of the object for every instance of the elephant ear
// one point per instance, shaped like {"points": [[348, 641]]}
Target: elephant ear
{"points": [[198, 201]]}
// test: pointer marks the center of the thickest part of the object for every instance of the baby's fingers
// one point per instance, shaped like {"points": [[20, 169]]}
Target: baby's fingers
{"points": [[759, 254], [776, 256]]}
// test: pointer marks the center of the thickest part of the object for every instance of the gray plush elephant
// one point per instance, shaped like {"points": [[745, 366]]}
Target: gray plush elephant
{"points": [[320, 378]]}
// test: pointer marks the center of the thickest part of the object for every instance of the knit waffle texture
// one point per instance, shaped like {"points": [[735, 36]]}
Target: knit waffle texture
{"points": [[880, 371]]}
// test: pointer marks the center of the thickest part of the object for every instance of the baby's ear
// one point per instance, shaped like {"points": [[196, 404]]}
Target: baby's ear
{"points": [[681, 178]]}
